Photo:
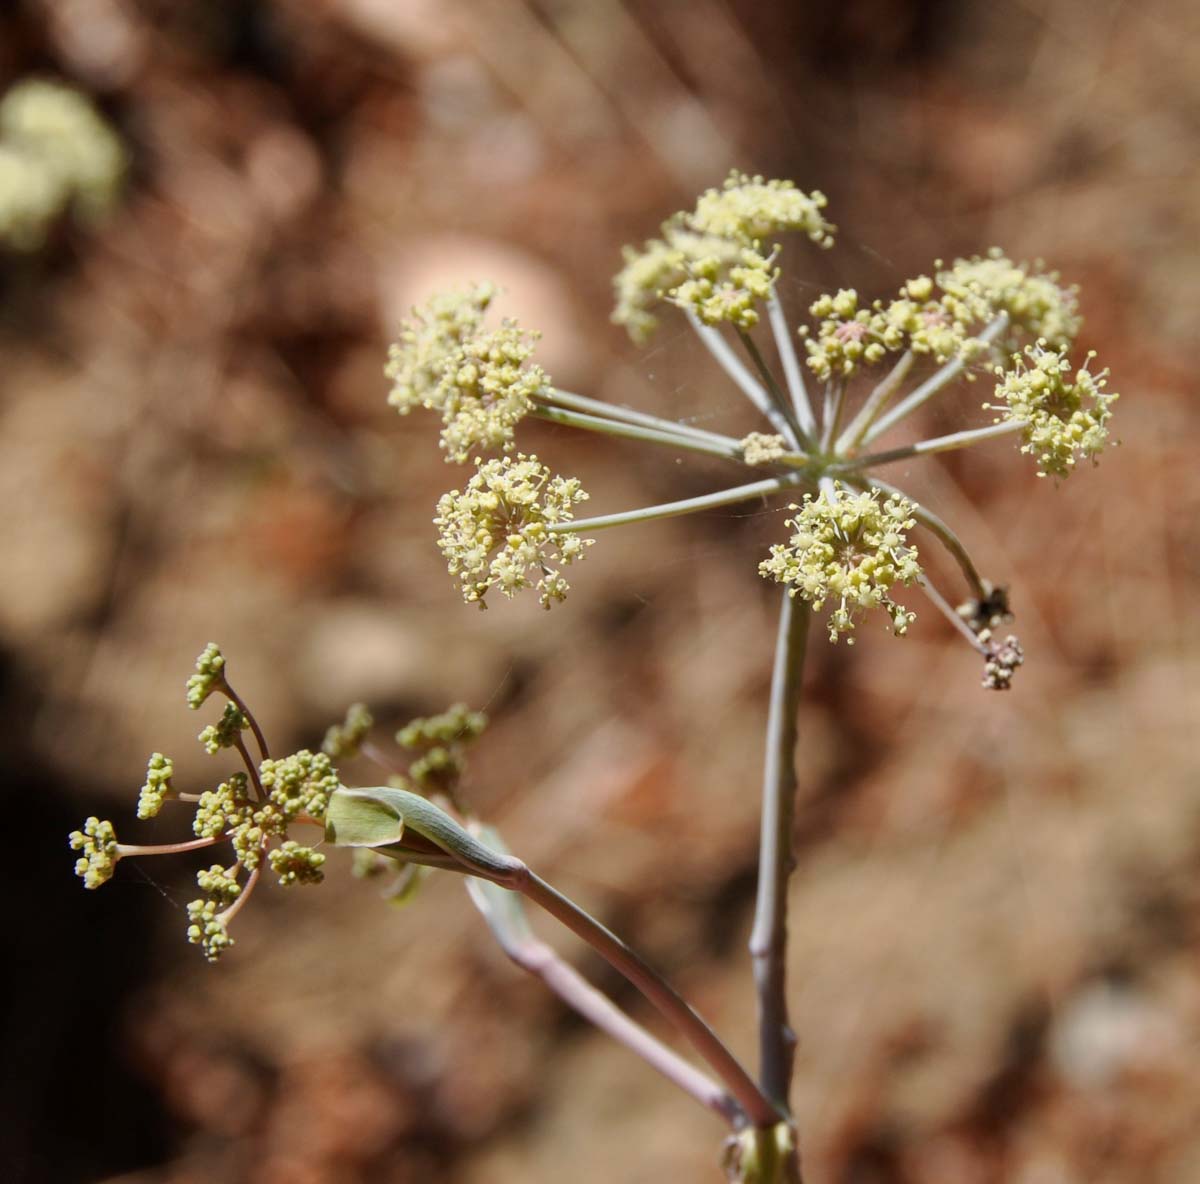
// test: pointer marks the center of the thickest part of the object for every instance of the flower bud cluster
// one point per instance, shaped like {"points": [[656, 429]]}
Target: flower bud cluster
{"points": [[712, 260], [252, 810], [1001, 662], [444, 740], [482, 383], [97, 843], [761, 449], [226, 732], [56, 153], [207, 677], [157, 788], [851, 549], [1064, 415], [494, 533], [342, 741]]}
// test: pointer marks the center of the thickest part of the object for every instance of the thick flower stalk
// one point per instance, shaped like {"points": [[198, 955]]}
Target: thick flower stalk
{"points": [[495, 533]]}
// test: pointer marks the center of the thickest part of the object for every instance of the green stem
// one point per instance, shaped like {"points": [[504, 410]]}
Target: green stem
{"points": [[729, 450], [690, 505], [506, 919], [792, 373], [778, 398], [926, 447], [759, 1109], [768, 939], [605, 410], [744, 380], [875, 403], [934, 383], [835, 404]]}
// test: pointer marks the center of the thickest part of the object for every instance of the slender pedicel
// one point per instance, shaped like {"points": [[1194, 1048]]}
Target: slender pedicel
{"points": [[731, 450], [778, 398], [574, 402], [691, 505], [934, 383], [792, 373], [875, 403], [927, 447], [745, 381]]}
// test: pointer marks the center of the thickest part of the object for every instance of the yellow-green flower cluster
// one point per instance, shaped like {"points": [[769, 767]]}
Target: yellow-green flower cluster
{"points": [[208, 676], [847, 336], [712, 260], [226, 732], [437, 330], [157, 787], [56, 153], [851, 550], [342, 741], [299, 784], [934, 328], [206, 928], [487, 389], [97, 843], [482, 383], [220, 883], [758, 448], [727, 295], [252, 811], [220, 810], [444, 738], [293, 863], [750, 209], [940, 320], [494, 533], [977, 289], [1064, 414]]}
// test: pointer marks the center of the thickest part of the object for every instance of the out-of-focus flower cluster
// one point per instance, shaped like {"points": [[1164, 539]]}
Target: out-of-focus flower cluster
{"points": [[494, 533], [1064, 414], [56, 154], [481, 382], [714, 260], [852, 549]]}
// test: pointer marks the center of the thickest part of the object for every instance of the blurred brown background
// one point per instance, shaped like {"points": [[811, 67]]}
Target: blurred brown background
{"points": [[994, 970]]}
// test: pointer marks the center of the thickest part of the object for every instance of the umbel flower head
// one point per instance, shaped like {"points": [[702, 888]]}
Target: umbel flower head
{"points": [[941, 319], [976, 289], [712, 259], [252, 810], [495, 532], [851, 548], [1064, 414], [482, 383]]}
